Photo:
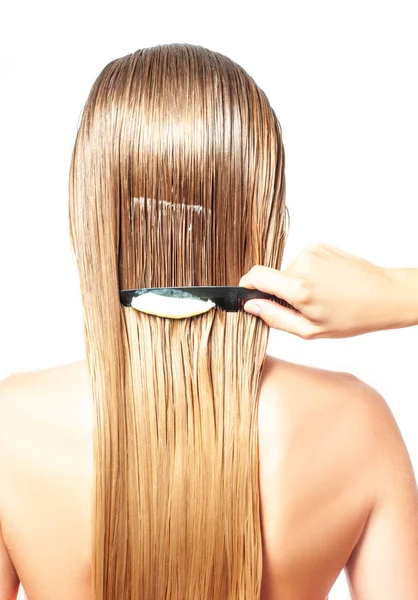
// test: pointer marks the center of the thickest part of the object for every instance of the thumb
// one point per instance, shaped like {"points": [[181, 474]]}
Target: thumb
{"points": [[285, 319]]}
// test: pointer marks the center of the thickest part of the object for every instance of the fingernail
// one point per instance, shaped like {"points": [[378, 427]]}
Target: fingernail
{"points": [[253, 308]]}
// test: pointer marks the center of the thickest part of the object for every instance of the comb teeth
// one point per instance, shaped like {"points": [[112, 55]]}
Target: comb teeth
{"points": [[284, 303], [241, 303]]}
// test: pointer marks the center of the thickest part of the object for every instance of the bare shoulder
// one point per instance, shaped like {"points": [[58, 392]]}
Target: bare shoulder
{"points": [[44, 419], [24, 394], [335, 411], [46, 474], [326, 401], [325, 426], [331, 455]]}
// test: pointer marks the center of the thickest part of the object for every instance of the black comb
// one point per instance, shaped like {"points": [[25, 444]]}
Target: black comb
{"points": [[229, 298]]}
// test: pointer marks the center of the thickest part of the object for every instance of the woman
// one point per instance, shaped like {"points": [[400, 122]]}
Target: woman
{"points": [[216, 472]]}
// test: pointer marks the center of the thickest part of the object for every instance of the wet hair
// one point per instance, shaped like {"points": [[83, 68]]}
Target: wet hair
{"points": [[176, 179]]}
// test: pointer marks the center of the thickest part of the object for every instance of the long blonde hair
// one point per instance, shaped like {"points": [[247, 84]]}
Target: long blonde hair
{"points": [[177, 178]]}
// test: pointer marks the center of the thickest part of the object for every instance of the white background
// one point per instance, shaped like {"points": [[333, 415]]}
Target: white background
{"points": [[342, 77]]}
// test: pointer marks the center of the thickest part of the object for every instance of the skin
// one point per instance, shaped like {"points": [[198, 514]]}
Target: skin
{"points": [[336, 293], [337, 487]]}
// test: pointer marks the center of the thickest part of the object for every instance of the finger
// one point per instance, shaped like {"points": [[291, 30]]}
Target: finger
{"points": [[284, 319], [273, 282]]}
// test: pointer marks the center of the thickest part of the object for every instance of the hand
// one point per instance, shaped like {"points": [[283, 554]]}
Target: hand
{"points": [[338, 295]]}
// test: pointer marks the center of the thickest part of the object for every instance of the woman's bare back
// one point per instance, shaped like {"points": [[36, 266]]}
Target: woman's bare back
{"points": [[322, 479]]}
